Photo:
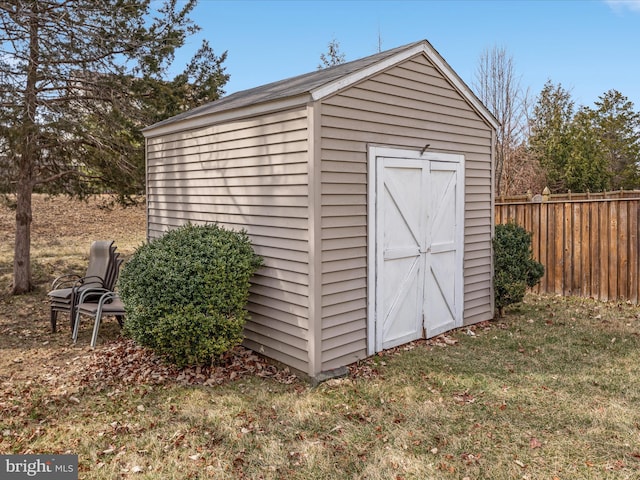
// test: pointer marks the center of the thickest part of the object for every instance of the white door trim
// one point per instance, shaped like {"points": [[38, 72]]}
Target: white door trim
{"points": [[374, 153]]}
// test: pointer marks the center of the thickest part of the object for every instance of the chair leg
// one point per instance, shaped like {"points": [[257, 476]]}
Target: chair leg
{"points": [[54, 316], [76, 327], [96, 327], [72, 316]]}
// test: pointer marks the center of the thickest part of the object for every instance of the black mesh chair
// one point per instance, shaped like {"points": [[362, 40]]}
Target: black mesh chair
{"points": [[102, 272]]}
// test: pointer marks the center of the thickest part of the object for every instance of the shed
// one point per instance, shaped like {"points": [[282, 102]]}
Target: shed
{"points": [[367, 189]]}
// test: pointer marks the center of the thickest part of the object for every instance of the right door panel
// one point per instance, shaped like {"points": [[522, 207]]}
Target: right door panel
{"points": [[441, 292]]}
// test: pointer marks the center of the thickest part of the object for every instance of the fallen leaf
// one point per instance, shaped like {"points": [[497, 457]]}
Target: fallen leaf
{"points": [[464, 397], [618, 465], [535, 443], [449, 340]]}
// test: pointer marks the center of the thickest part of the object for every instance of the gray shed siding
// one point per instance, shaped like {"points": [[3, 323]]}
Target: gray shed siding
{"points": [[250, 174], [409, 105]]}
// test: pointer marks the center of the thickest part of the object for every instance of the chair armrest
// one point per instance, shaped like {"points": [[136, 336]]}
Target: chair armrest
{"points": [[93, 293], [83, 280], [92, 279], [107, 296], [69, 278]]}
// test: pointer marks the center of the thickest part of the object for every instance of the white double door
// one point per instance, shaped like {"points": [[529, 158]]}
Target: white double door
{"points": [[418, 247]]}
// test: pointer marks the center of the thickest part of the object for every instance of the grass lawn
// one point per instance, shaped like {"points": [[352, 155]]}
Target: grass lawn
{"points": [[551, 391]]}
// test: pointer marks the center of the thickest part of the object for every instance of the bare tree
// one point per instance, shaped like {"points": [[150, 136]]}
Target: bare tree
{"points": [[522, 173], [333, 56], [499, 89]]}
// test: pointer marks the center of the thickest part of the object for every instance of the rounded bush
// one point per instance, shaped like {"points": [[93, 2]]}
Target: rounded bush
{"points": [[515, 267], [185, 293]]}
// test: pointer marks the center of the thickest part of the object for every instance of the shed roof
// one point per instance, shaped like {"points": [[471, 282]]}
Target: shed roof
{"points": [[313, 86]]}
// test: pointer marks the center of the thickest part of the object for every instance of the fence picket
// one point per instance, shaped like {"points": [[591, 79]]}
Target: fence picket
{"points": [[633, 252], [544, 242], [612, 268], [558, 249], [576, 254], [568, 250], [585, 251], [623, 252], [597, 248]]}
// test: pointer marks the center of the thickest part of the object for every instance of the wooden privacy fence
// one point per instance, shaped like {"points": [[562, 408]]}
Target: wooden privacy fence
{"points": [[589, 248]]}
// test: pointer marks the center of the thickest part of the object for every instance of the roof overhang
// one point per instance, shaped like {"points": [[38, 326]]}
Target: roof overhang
{"points": [[207, 119], [319, 93], [422, 48]]}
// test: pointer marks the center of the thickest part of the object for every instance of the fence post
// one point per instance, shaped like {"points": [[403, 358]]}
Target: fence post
{"points": [[545, 194]]}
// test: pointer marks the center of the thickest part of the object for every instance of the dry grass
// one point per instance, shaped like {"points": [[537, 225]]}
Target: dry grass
{"points": [[62, 231], [550, 391]]}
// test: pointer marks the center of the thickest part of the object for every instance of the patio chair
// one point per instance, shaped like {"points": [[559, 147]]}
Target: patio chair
{"points": [[102, 272], [109, 303]]}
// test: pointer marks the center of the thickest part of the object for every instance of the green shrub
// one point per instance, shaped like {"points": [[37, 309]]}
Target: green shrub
{"points": [[515, 268], [185, 293]]}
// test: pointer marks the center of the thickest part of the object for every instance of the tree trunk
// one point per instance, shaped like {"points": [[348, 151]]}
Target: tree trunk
{"points": [[28, 154], [22, 280]]}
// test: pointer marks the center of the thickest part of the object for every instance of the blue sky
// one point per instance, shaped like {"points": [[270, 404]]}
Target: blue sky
{"points": [[587, 46]]}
